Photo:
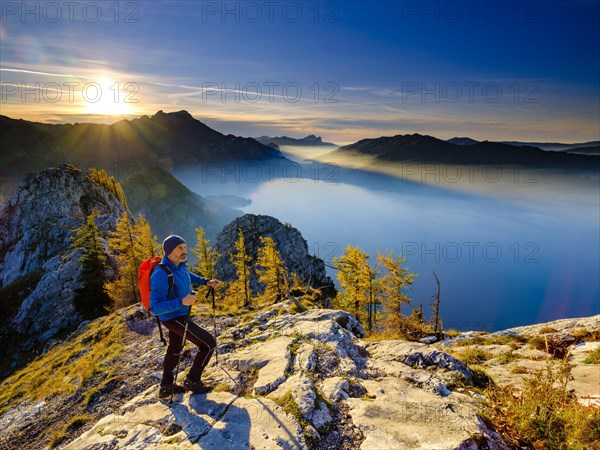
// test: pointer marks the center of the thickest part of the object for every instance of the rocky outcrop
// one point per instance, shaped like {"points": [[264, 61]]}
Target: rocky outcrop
{"points": [[512, 355], [298, 381], [283, 380], [560, 325], [288, 241], [38, 268]]}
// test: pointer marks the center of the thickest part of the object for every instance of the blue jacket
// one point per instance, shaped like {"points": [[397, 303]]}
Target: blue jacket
{"points": [[169, 307]]}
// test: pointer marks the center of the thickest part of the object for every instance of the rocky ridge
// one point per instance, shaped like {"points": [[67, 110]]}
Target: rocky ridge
{"points": [[284, 380], [288, 241], [39, 272], [167, 140], [510, 355], [305, 380]]}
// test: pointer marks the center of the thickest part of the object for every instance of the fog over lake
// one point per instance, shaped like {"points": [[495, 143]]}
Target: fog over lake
{"points": [[509, 247]]}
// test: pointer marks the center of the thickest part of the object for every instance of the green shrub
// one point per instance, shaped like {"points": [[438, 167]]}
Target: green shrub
{"points": [[507, 357], [583, 334], [289, 405], [452, 333], [545, 330], [544, 415], [538, 343], [73, 424], [472, 340], [593, 357], [472, 355], [519, 370], [481, 379], [297, 307]]}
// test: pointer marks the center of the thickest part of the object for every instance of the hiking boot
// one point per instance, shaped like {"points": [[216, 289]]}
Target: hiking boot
{"points": [[197, 387], [166, 390]]}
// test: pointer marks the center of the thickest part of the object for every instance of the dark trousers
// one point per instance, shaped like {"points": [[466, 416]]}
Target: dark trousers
{"points": [[205, 342]]}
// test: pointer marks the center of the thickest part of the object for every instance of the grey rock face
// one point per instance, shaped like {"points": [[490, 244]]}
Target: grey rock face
{"points": [[306, 381], [288, 241], [287, 381], [36, 226]]}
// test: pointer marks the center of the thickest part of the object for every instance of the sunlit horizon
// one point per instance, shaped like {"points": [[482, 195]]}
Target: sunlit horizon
{"points": [[357, 70], [107, 113]]}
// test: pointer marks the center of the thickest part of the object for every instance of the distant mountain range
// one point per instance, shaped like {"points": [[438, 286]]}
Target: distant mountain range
{"points": [[310, 140], [167, 140], [428, 149], [588, 148], [177, 140], [554, 146], [592, 150]]}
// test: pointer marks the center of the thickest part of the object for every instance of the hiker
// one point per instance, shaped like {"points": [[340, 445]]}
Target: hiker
{"points": [[172, 307]]}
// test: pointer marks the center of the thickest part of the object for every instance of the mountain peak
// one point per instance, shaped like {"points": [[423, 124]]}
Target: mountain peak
{"points": [[463, 141], [179, 114], [174, 139], [184, 114]]}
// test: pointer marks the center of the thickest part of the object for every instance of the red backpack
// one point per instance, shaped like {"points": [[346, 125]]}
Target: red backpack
{"points": [[144, 271]]}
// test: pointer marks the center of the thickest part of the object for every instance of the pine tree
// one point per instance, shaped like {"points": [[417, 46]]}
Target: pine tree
{"points": [[146, 246], [297, 284], [271, 270], [123, 290], [374, 293], [131, 243], [207, 264], [435, 309], [101, 179], [356, 280], [393, 283], [118, 191], [415, 325], [91, 299], [207, 256], [239, 289]]}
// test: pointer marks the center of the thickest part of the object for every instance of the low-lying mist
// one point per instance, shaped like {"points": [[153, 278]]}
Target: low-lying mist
{"points": [[511, 246]]}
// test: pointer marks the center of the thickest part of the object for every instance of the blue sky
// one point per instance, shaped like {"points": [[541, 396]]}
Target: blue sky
{"points": [[345, 70]]}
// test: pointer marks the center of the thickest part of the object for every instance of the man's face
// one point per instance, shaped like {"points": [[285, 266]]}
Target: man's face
{"points": [[179, 255]]}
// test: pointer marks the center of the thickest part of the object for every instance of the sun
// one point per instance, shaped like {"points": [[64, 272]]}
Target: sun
{"points": [[108, 97]]}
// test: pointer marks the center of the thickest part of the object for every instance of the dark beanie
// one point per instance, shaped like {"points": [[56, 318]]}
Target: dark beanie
{"points": [[171, 242]]}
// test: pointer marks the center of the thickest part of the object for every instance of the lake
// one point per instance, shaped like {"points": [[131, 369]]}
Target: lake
{"points": [[510, 246]]}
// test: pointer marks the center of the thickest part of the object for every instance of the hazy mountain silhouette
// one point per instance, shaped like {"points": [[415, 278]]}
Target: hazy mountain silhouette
{"points": [[166, 140], [25, 148], [554, 146], [428, 149], [171, 208], [592, 150], [310, 140], [463, 141]]}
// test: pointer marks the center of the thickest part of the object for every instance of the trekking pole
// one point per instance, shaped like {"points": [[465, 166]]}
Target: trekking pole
{"points": [[211, 292], [187, 322]]}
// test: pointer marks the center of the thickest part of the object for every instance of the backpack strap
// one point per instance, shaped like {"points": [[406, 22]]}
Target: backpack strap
{"points": [[160, 331], [170, 278]]}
